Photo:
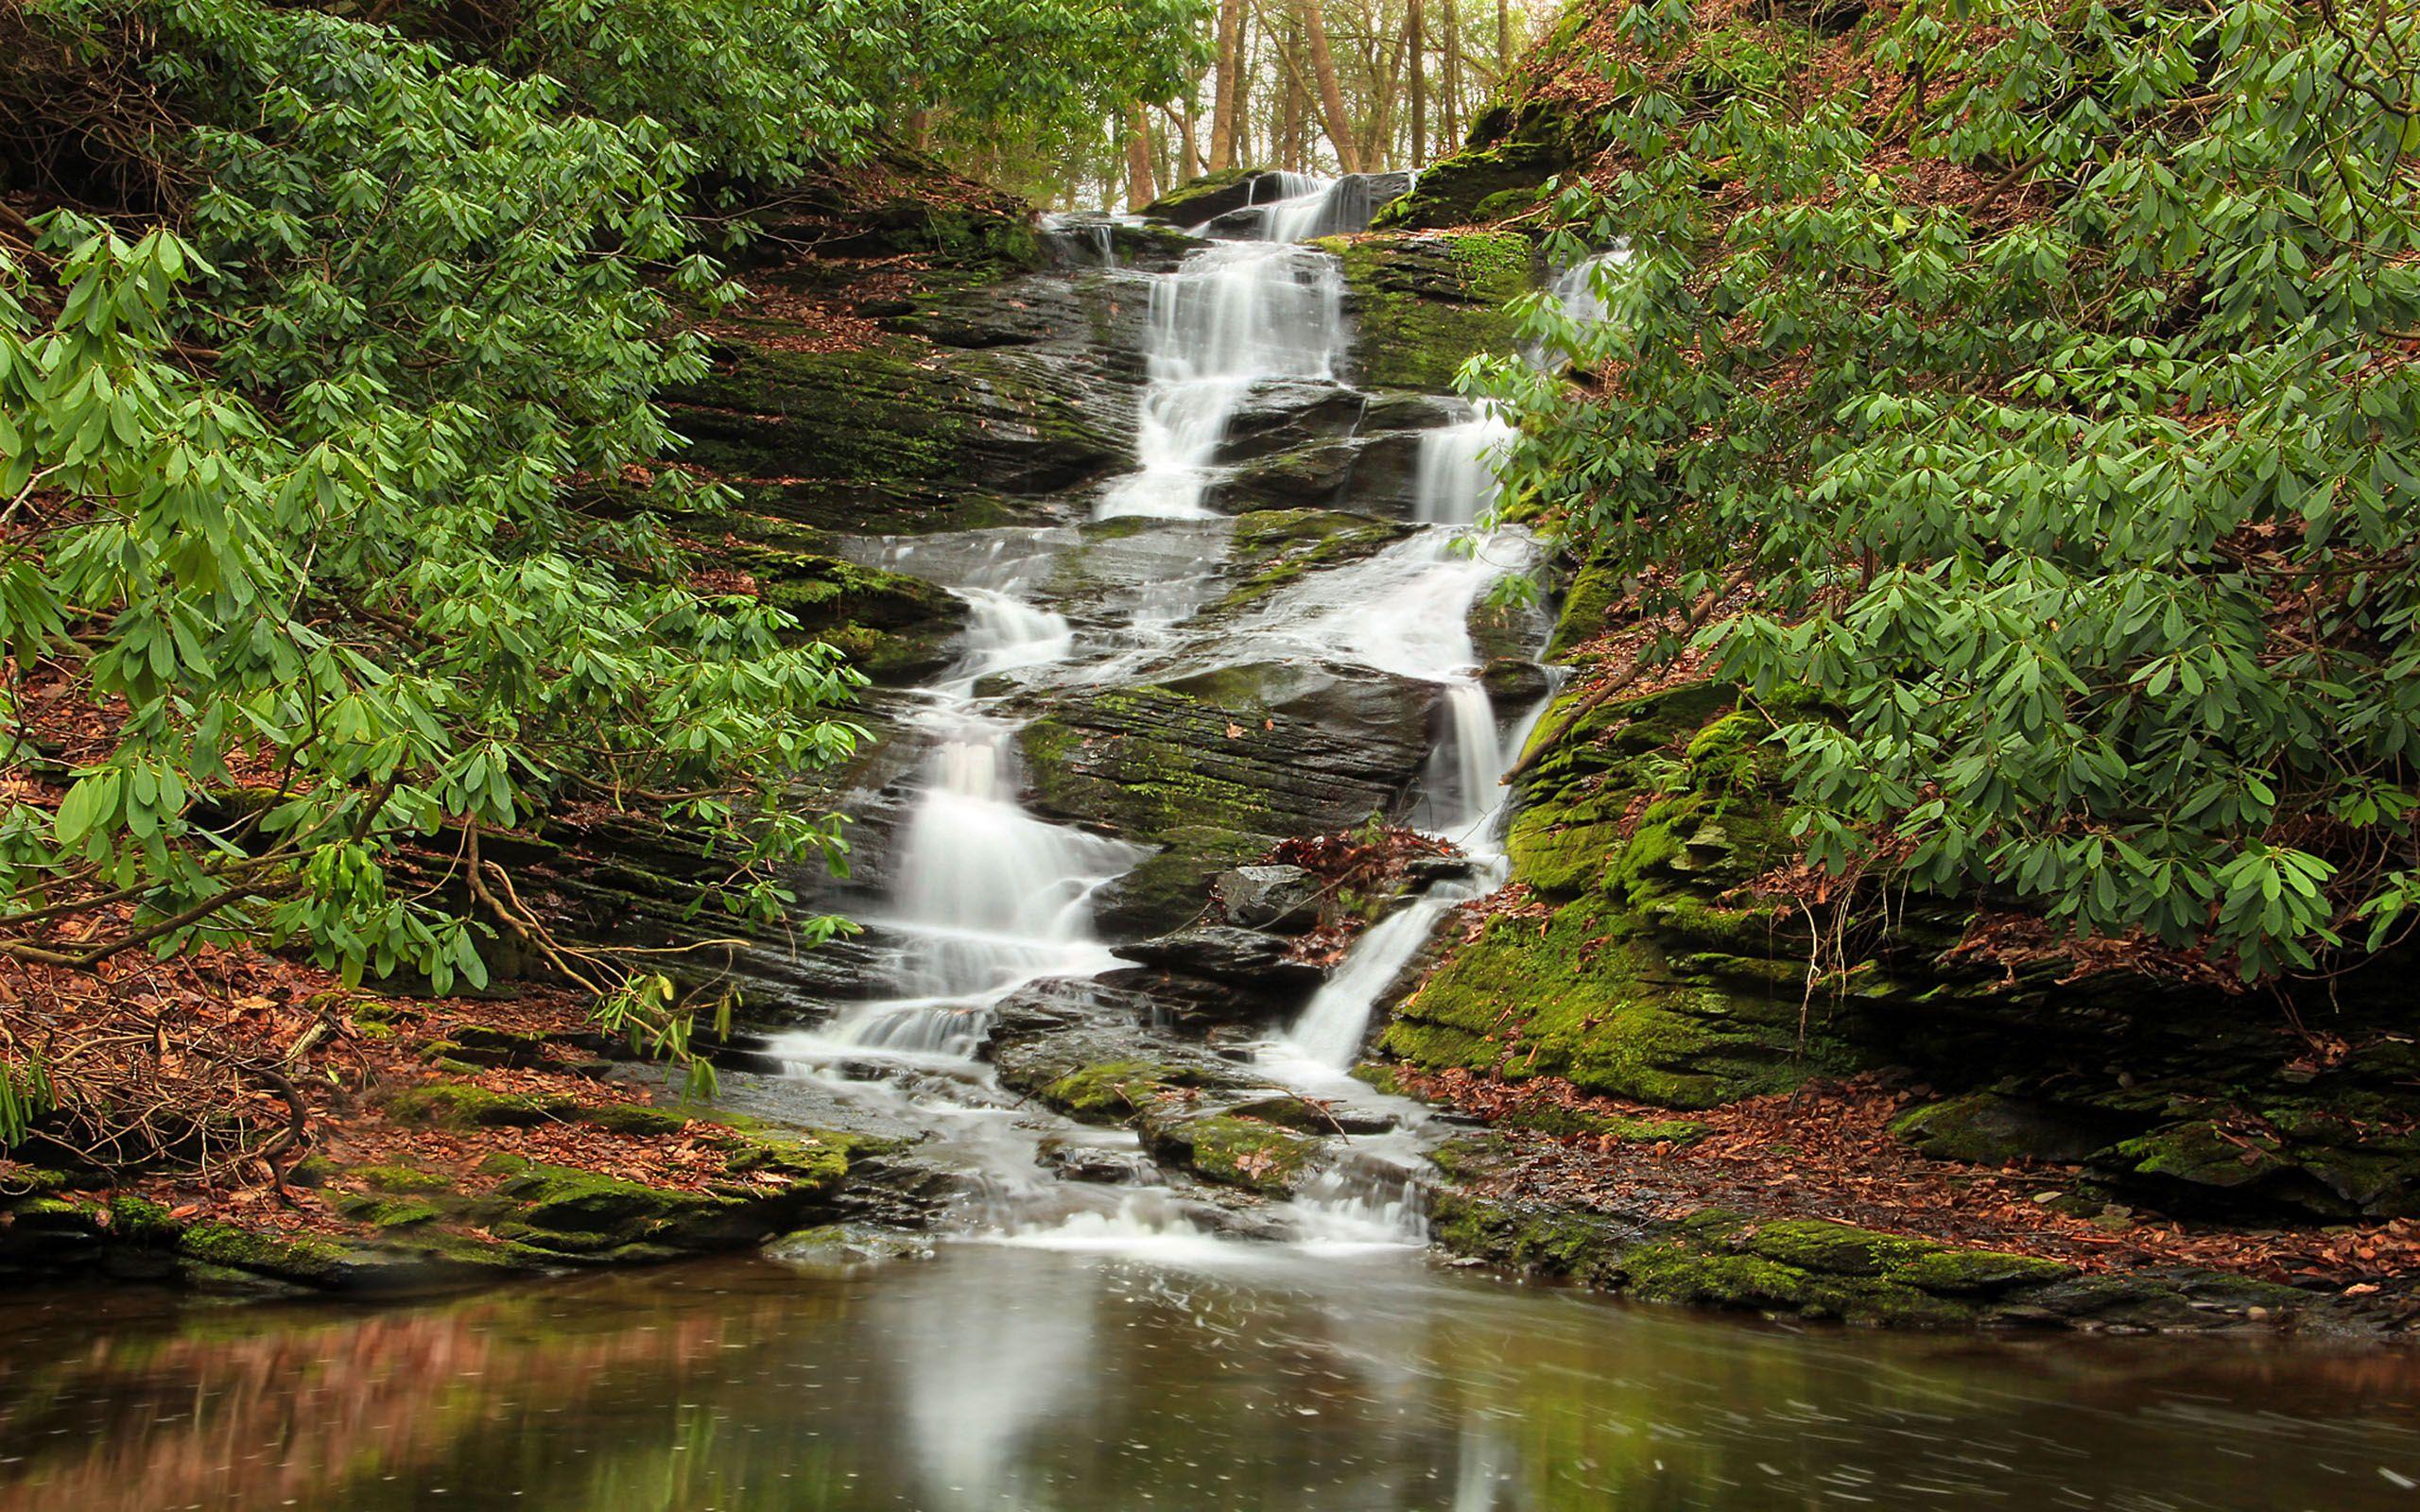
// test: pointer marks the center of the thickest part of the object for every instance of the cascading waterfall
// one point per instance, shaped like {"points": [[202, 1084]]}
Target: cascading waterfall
{"points": [[1234, 315], [1420, 627], [986, 898], [1306, 208]]}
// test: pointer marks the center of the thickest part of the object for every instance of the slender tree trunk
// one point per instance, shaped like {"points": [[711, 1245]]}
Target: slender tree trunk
{"points": [[1416, 42], [1226, 94], [1141, 188], [1339, 126], [1503, 39], [1252, 34], [1451, 142], [1189, 131], [1293, 144]]}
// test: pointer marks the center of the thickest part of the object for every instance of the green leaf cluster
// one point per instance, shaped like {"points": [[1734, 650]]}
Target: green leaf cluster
{"points": [[2054, 377]]}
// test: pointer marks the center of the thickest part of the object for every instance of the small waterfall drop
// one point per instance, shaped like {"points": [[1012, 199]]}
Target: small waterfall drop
{"points": [[1234, 315], [1454, 474], [987, 897], [1306, 208]]}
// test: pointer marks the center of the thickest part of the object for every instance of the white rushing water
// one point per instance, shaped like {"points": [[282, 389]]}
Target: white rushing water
{"points": [[1236, 313], [1294, 207], [1455, 481]]}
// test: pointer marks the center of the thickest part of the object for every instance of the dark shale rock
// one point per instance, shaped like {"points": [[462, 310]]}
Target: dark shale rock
{"points": [[1987, 1129], [1246, 959], [1277, 898], [1208, 196]]}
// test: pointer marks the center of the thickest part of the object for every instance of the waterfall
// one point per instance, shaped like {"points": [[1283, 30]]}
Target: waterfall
{"points": [[1234, 314], [1295, 207], [1418, 623], [987, 897], [1576, 289], [1454, 473]]}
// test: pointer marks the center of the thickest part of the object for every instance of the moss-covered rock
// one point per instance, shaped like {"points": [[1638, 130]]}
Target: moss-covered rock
{"points": [[1214, 767], [1230, 1149], [1511, 156], [1818, 1269], [1424, 303], [899, 437], [1207, 197]]}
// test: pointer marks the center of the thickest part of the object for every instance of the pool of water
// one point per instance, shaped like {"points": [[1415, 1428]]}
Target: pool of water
{"points": [[1243, 1376]]}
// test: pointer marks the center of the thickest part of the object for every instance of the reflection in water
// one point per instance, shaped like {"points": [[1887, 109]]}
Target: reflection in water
{"points": [[1021, 1379]]}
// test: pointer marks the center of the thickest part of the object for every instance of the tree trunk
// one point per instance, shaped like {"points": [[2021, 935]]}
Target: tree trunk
{"points": [[1416, 44], [1227, 94], [1339, 127], [1503, 39], [1452, 80], [1141, 188]]}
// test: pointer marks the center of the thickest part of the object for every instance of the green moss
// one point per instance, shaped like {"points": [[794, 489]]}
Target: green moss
{"points": [[1962, 1272], [459, 1104], [562, 1201], [1240, 1152], [1587, 609], [1111, 1093], [399, 1178], [139, 1220], [1286, 545], [1556, 1241], [232, 1248], [2200, 1154], [387, 1212], [1573, 1123], [1426, 303], [1182, 203], [1509, 156], [635, 1118], [1588, 999]]}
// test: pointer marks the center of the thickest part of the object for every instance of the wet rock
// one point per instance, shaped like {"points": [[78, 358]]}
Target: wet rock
{"points": [[1281, 899], [1215, 767], [1212, 195], [847, 1248], [1423, 872], [1343, 207], [1248, 959], [1228, 1148], [1312, 477], [904, 436], [1073, 1161], [1287, 414]]}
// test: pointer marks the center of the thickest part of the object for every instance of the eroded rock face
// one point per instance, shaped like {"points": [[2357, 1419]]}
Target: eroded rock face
{"points": [[1215, 767]]}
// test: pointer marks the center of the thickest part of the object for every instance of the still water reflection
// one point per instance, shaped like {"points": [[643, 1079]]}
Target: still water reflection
{"points": [[1000, 1378]]}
